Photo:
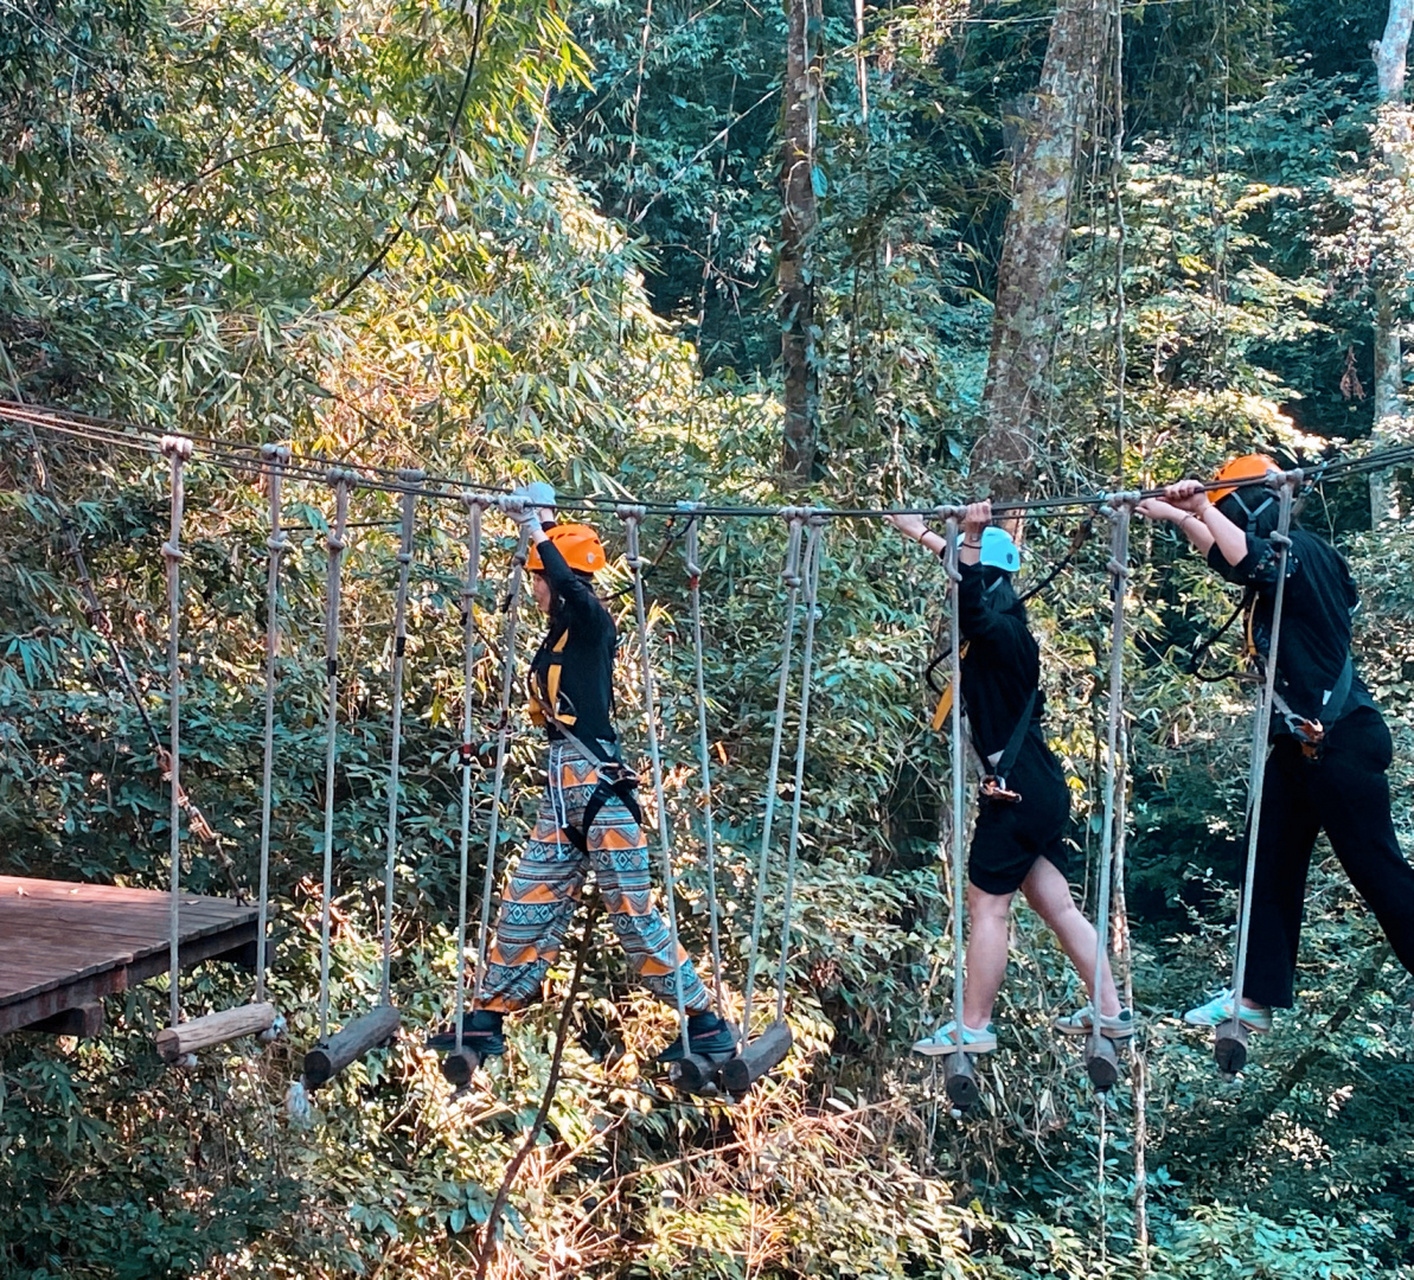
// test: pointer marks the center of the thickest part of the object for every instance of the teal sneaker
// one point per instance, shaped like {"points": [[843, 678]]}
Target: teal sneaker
{"points": [[944, 1040], [1120, 1026], [1219, 1010]]}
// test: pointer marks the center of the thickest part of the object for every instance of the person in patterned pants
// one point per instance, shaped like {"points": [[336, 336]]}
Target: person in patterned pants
{"points": [[583, 823]]}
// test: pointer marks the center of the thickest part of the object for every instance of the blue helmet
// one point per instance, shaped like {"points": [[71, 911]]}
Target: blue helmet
{"points": [[999, 551]]}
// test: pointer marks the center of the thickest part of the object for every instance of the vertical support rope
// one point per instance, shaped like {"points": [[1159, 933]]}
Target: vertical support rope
{"points": [[691, 555], [631, 516], [814, 543], [1119, 509], [474, 507], [1137, 1063], [409, 508], [790, 575], [503, 728], [959, 775], [178, 451], [1287, 483], [275, 458], [342, 482]]}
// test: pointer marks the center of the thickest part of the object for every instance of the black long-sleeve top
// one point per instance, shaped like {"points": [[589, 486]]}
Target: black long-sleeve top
{"points": [[586, 690], [1317, 608], [1001, 669]]}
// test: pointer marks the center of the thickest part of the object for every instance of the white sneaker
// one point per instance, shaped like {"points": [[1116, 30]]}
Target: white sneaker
{"points": [[1119, 1026], [944, 1040]]}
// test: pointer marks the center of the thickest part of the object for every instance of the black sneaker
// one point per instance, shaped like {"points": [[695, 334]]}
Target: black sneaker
{"points": [[481, 1033], [708, 1036]]}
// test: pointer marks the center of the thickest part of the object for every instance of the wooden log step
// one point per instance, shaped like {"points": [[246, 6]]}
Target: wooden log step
{"points": [[459, 1066], [323, 1062], [756, 1058], [175, 1043], [1230, 1046], [1101, 1063], [696, 1074], [960, 1081]]}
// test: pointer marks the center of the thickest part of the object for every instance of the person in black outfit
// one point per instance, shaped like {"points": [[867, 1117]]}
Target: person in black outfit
{"points": [[1024, 810], [585, 820], [1330, 747]]}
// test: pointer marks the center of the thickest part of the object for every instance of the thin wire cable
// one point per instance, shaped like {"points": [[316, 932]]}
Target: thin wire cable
{"points": [[709, 838], [450, 488], [814, 544], [277, 544], [631, 517], [474, 508], [959, 778], [1261, 731], [395, 752], [1119, 512], [790, 575], [508, 665], [342, 482], [177, 450]]}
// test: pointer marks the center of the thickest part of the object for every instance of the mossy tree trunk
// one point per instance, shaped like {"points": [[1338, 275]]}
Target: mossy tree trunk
{"points": [[800, 181], [1034, 243]]}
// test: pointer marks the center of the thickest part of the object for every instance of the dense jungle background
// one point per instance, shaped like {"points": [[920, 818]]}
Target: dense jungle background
{"points": [[852, 255]]}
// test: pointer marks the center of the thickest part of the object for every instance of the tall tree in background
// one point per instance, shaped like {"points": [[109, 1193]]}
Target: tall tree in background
{"points": [[800, 190], [1033, 248], [1390, 57]]}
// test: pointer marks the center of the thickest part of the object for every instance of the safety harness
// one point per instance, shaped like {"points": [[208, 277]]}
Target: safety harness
{"points": [[615, 779], [1309, 732]]}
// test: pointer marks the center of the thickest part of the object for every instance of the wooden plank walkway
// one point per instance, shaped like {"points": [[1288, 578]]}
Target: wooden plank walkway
{"points": [[63, 947]]}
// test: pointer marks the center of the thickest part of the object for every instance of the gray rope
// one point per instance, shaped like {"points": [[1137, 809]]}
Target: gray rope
{"points": [[959, 775], [342, 482], [694, 578], [275, 456], [631, 517], [177, 450], [394, 762], [790, 575], [815, 538], [474, 507], [1288, 482], [1119, 509], [508, 661]]}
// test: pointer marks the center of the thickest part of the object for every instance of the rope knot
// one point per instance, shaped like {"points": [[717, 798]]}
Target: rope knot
{"points": [[278, 454], [173, 553], [277, 542], [180, 447], [337, 476], [1118, 570]]}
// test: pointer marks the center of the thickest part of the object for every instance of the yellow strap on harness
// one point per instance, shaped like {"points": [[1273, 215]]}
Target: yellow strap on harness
{"points": [[944, 707], [543, 703]]}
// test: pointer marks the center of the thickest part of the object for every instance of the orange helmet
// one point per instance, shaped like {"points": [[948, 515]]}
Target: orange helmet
{"points": [[1248, 468], [579, 545]]}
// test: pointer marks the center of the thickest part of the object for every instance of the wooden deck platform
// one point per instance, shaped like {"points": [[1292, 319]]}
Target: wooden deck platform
{"points": [[63, 947]]}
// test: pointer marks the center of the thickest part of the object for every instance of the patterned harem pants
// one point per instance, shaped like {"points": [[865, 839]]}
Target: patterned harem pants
{"points": [[541, 894]]}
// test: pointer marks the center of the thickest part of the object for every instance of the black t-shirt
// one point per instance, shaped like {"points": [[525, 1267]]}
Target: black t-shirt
{"points": [[1001, 669], [586, 690], [1316, 612]]}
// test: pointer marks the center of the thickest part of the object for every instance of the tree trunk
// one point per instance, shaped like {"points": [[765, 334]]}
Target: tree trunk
{"points": [[799, 215], [1390, 55], [1033, 246]]}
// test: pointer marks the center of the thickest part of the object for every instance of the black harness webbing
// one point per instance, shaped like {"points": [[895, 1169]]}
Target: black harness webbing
{"points": [[994, 785], [616, 782]]}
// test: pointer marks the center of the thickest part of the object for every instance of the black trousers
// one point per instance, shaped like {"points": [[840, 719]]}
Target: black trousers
{"points": [[1346, 794]]}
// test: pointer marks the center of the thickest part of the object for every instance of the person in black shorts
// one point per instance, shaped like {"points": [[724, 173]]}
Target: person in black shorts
{"points": [[1019, 841], [1330, 747]]}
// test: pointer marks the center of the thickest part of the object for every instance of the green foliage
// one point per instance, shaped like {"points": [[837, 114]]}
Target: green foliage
{"points": [[583, 294]]}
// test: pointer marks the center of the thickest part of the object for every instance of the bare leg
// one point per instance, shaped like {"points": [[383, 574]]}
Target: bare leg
{"points": [[1049, 895], [986, 953]]}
